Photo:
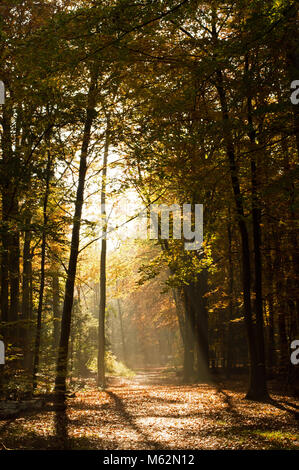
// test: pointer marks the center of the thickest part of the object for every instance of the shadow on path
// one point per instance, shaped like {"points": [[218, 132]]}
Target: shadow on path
{"points": [[121, 410], [281, 406], [227, 399]]}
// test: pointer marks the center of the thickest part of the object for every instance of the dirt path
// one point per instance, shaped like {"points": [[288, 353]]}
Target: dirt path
{"points": [[153, 411]]}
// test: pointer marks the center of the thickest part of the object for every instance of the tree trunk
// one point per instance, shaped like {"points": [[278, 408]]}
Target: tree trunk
{"points": [[61, 369], [14, 267], [120, 316], [4, 271], [188, 370], [6, 188], [257, 385], [186, 334], [102, 309], [292, 60], [42, 276], [271, 350], [281, 309], [199, 324], [230, 295], [56, 310], [256, 224], [25, 309]]}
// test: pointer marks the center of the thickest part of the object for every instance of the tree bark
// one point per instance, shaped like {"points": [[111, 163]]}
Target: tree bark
{"points": [[6, 187], [199, 324], [61, 368], [292, 60], [257, 385], [228, 335], [120, 316], [26, 307], [256, 225], [14, 266], [42, 276], [271, 350], [102, 308], [188, 367], [56, 309]]}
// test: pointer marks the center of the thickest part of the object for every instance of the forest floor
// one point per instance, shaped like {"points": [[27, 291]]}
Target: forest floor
{"points": [[154, 411]]}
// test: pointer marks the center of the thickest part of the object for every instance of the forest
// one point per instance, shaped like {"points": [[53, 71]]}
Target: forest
{"points": [[149, 257]]}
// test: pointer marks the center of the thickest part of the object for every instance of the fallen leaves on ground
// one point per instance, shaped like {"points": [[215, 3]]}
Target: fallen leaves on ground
{"points": [[148, 413]]}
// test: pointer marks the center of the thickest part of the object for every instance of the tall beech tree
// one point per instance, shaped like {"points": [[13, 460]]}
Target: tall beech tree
{"points": [[61, 370]]}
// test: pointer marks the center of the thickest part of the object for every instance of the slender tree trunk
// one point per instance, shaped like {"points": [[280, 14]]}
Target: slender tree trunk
{"points": [[61, 369], [185, 330], [14, 266], [102, 309], [271, 350], [6, 187], [24, 330], [188, 370], [120, 316], [257, 386], [230, 294], [199, 324], [281, 308], [293, 257], [292, 60], [256, 223], [10, 214], [56, 309], [4, 272], [203, 373], [292, 56], [42, 276], [181, 315]]}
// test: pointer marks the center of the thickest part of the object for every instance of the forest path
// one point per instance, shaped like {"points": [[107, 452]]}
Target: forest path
{"points": [[147, 376], [153, 411]]}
